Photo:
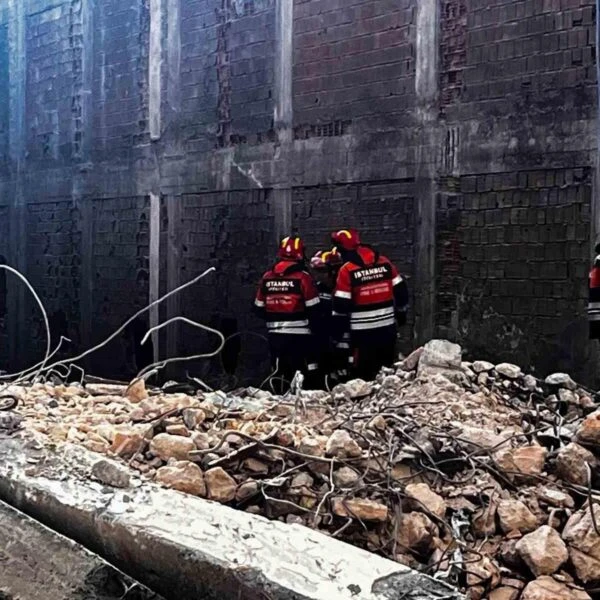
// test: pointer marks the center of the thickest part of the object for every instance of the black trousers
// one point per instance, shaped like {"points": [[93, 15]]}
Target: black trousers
{"points": [[291, 353], [372, 350]]}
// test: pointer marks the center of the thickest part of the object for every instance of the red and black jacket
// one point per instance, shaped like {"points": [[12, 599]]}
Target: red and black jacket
{"points": [[594, 301], [288, 299], [371, 291]]}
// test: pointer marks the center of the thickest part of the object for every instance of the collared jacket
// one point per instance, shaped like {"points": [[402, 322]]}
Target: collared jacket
{"points": [[371, 291], [594, 300], [288, 299]]}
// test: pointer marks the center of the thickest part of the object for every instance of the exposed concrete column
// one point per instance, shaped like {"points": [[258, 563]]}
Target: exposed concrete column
{"points": [[80, 184], [17, 255], [154, 68], [172, 144], [154, 119], [282, 198], [426, 84]]}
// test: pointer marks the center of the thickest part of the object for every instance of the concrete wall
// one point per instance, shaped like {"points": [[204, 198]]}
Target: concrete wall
{"points": [[144, 140]]}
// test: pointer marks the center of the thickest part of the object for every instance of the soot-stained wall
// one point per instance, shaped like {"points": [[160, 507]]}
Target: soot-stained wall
{"points": [[143, 141]]}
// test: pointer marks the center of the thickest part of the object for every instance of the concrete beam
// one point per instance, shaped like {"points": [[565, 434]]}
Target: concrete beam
{"points": [[154, 69], [17, 216], [185, 547], [426, 87], [284, 116], [154, 265], [35, 558]]}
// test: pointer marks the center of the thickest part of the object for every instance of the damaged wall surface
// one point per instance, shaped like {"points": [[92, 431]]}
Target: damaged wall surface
{"points": [[459, 136]]}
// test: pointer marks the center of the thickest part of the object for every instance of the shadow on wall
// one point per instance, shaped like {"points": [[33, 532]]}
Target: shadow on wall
{"points": [[486, 334]]}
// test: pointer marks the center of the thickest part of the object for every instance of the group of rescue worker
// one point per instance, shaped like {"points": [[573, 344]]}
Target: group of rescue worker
{"points": [[334, 317]]}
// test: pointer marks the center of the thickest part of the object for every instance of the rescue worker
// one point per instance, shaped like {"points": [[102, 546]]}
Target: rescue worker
{"points": [[594, 299], [375, 296], [288, 300], [334, 334]]}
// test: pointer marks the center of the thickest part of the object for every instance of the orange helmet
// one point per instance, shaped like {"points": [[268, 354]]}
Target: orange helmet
{"points": [[347, 239], [326, 259], [291, 248]]}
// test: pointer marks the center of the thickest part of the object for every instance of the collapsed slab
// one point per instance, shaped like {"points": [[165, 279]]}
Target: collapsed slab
{"points": [[186, 547], [36, 561]]}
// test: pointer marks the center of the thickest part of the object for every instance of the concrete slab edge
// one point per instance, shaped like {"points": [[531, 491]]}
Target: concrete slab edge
{"points": [[186, 547]]}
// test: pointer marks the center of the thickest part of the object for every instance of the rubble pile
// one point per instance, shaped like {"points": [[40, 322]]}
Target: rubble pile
{"points": [[474, 473]]}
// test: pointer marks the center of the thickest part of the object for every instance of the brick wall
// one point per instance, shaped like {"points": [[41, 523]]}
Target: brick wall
{"points": [[352, 60], [54, 265], [532, 49], [383, 213], [49, 72], [233, 232], [512, 265], [120, 78], [228, 50], [120, 273]]}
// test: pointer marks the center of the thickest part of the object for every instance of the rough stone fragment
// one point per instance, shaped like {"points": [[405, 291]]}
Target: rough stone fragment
{"points": [[571, 464], [247, 490], [183, 476], [312, 446], [192, 417], [441, 357], [584, 543], [345, 477], [589, 430], [567, 396], [101, 447], [353, 390], [478, 437], [416, 531], [411, 362], [10, 421], [126, 444], [482, 570], [201, 440], [111, 473], [504, 593], [177, 429], [561, 380], [136, 392], [255, 466], [522, 462], [360, 508], [424, 496], [341, 445], [514, 515], [543, 551], [221, 486], [530, 383], [547, 588], [509, 370], [167, 446], [556, 498], [482, 366]]}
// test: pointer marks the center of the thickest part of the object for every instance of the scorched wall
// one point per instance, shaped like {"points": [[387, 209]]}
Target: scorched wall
{"points": [[142, 141]]}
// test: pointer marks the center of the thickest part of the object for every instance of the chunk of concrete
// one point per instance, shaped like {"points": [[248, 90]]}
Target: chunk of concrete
{"points": [[173, 541], [34, 558]]}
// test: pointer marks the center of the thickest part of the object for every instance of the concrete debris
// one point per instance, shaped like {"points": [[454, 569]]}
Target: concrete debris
{"points": [[183, 476], [111, 473], [474, 473], [543, 551], [221, 487], [166, 446], [547, 588]]}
